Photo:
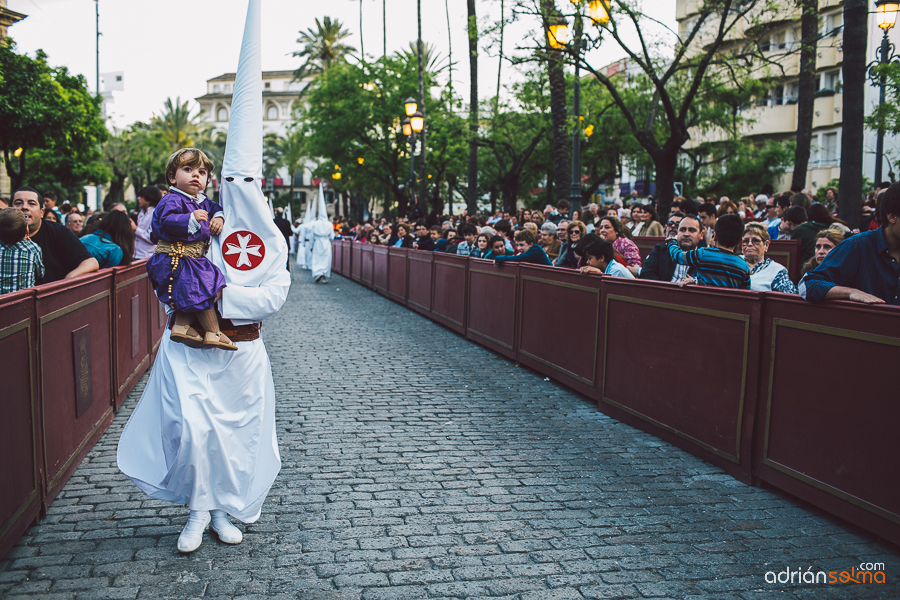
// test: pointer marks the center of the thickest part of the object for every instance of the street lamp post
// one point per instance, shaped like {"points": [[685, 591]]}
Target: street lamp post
{"points": [[413, 124], [886, 17], [599, 14]]}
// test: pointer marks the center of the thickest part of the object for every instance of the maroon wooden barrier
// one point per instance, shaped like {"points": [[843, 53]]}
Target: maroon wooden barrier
{"points": [[132, 304], [76, 349], [646, 243], [787, 253], [368, 265], [398, 274], [546, 291], [448, 299], [420, 281], [337, 249], [380, 269], [157, 319], [20, 441], [682, 364], [828, 413], [356, 262], [346, 257], [492, 306]]}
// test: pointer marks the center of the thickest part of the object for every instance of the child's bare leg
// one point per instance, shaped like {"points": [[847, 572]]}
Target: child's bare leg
{"points": [[213, 336]]}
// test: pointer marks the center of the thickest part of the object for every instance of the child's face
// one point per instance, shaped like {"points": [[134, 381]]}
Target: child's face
{"points": [[192, 180]]}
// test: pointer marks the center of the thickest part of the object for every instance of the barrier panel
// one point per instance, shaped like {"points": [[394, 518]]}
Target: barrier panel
{"points": [[492, 306], [346, 258], [683, 364], [337, 249], [157, 319], [380, 268], [367, 265], [76, 354], [546, 291], [448, 299], [420, 281], [131, 304], [20, 442], [786, 253], [356, 261], [398, 274], [828, 412]]}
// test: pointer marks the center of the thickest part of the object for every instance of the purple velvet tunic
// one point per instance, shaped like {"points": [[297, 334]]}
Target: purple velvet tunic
{"points": [[196, 282]]}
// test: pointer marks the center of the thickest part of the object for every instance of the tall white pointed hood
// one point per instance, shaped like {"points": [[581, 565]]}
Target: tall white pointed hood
{"points": [[321, 225], [250, 250]]}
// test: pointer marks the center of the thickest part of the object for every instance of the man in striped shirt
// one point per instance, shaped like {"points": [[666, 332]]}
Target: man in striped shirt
{"points": [[717, 265]]}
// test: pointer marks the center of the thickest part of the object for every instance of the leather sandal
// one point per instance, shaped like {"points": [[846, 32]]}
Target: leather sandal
{"points": [[218, 340], [187, 335]]}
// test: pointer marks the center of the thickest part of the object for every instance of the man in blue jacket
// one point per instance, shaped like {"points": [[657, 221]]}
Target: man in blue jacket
{"points": [[529, 252]]}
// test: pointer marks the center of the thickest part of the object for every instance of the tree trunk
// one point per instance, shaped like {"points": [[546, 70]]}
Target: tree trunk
{"points": [[449, 48], [116, 190], [500, 60], [15, 177], [345, 204], [561, 141], [472, 195], [665, 162], [809, 22], [855, 34]]}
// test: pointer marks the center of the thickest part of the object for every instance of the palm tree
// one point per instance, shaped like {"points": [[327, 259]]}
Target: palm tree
{"points": [[472, 193], [287, 151], [431, 60], [322, 47], [177, 125]]}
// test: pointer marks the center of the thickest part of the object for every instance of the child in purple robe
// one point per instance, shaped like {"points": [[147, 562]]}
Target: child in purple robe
{"points": [[180, 272]]}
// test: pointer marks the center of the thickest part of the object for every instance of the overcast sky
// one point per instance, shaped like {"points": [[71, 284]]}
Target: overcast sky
{"points": [[169, 48]]}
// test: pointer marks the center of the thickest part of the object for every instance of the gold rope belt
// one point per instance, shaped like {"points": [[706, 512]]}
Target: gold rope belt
{"points": [[182, 249]]}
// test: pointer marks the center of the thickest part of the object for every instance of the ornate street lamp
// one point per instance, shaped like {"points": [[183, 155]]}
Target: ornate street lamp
{"points": [[557, 31], [886, 18], [599, 14], [411, 107], [410, 126]]}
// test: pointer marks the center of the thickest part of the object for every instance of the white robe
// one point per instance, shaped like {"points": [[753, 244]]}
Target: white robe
{"points": [[203, 433], [322, 233]]}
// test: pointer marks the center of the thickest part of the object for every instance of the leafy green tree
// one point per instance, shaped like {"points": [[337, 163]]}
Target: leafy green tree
{"points": [[323, 48], [748, 167], [50, 125]]}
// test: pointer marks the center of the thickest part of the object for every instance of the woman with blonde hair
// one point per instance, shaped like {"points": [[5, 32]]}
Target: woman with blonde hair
{"points": [[766, 275]]}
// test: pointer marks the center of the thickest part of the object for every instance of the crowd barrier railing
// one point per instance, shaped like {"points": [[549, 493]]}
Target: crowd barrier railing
{"points": [[766, 386], [73, 351]]}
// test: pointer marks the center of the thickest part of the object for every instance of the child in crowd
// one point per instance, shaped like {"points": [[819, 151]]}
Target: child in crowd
{"points": [[600, 258], [180, 272], [21, 260]]}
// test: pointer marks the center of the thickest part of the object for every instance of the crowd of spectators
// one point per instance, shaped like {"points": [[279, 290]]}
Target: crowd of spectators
{"points": [[707, 241]]}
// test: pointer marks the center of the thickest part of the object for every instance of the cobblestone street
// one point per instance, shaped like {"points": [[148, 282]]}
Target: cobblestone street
{"points": [[417, 465]]}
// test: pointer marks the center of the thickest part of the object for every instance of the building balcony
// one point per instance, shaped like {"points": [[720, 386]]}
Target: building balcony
{"points": [[828, 57], [828, 110], [772, 120]]}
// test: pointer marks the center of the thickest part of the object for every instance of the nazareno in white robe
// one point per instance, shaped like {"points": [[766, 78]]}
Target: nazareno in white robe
{"points": [[203, 433]]}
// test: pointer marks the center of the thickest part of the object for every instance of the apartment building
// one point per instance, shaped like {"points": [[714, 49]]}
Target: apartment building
{"points": [[774, 116]]}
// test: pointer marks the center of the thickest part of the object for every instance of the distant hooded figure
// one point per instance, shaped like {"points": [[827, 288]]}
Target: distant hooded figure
{"points": [[203, 433], [322, 233]]}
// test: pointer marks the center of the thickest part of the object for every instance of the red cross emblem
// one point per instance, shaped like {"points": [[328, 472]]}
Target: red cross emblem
{"points": [[243, 250]]}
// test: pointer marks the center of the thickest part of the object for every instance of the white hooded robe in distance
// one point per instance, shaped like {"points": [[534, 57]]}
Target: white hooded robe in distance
{"points": [[204, 431], [322, 233]]}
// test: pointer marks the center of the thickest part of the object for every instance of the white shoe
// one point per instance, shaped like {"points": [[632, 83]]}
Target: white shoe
{"points": [[192, 535], [227, 532]]}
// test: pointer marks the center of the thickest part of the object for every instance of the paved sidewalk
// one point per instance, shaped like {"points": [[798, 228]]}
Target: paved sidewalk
{"points": [[418, 465]]}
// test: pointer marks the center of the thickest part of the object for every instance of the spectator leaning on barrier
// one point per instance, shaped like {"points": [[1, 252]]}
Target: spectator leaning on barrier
{"points": [[766, 275], [826, 241], [467, 232], [423, 238], [147, 200], [659, 266], [614, 232], [112, 244], [63, 255], [717, 265], [600, 257], [404, 237], [567, 259], [529, 252], [864, 268], [21, 264], [548, 240], [482, 245], [496, 247]]}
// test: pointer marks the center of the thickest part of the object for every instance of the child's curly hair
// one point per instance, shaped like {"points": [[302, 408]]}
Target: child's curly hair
{"points": [[190, 157]]}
